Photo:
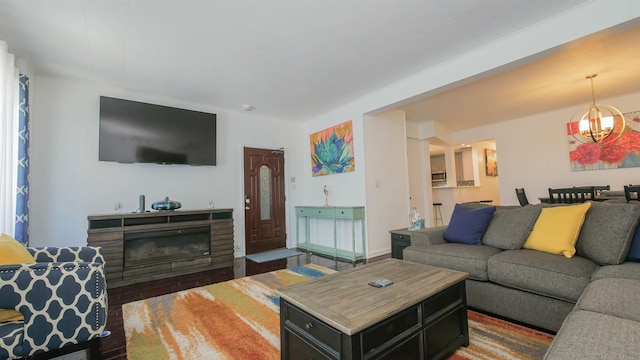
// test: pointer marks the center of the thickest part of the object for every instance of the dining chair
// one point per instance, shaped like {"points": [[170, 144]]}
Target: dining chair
{"points": [[571, 195], [632, 192], [522, 197], [598, 188]]}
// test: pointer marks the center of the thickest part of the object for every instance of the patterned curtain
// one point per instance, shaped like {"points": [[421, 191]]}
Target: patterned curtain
{"points": [[22, 194]]}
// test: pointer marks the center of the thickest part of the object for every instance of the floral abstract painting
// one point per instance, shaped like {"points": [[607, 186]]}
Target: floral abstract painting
{"points": [[621, 152], [332, 150]]}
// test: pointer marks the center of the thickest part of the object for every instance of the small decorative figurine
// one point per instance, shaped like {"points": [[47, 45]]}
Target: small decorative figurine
{"points": [[326, 196]]}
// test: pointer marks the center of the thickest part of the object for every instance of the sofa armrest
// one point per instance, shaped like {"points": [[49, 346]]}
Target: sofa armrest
{"points": [[68, 254], [428, 236], [62, 303]]}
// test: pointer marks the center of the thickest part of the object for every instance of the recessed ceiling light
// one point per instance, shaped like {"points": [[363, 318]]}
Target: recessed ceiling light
{"points": [[247, 107]]}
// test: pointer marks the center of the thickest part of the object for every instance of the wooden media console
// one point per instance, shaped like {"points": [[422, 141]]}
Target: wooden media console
{"points": [[155, 245]]}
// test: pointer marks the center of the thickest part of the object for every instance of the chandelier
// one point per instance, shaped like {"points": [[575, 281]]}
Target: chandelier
{"points": [[599, 123]]}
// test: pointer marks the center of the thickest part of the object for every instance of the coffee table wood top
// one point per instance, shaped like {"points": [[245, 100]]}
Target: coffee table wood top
{"points": [[345, 301]]}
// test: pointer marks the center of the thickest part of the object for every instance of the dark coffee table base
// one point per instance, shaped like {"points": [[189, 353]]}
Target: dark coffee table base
{"points": [[431, 329]]}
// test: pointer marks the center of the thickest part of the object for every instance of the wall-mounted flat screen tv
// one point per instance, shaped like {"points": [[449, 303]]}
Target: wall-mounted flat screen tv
{"points": [[136, 132]]}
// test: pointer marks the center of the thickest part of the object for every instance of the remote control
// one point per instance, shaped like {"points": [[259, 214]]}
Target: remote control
{"points": [[382, 282]]}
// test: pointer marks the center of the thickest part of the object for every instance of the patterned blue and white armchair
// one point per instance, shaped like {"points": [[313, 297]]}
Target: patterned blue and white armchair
{"points": [[62, 297]]}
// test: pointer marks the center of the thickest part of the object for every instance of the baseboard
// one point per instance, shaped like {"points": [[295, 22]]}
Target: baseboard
{"points": [[378, 253]]}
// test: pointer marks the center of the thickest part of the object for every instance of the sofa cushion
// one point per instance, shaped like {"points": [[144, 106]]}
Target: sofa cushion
{"points": [[542, 273], [467, 226], [607, 232], [628, 270], [557, 229], [461, 257], [509, 228], [591, 335], [613, 296]]}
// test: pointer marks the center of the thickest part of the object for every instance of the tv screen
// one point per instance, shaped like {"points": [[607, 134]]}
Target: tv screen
{"points": [[135, 132]]}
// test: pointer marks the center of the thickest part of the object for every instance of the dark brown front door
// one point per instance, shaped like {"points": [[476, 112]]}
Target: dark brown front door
{"points": [[264, 214]]}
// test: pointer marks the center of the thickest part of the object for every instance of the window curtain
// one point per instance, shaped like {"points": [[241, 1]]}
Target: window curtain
{"points": [[8, 140], [22, 193]]}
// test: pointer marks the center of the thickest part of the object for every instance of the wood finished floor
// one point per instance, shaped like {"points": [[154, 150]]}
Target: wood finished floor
{"points": [[113, 346]]}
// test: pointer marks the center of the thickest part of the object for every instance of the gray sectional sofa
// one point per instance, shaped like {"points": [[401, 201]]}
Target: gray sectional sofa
{"points": [[591, 300]]}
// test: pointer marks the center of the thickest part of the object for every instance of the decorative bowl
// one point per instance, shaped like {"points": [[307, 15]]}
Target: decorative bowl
{"points": [[166, 205]]}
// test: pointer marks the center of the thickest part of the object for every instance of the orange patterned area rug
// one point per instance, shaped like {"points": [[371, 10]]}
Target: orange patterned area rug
{"points": [[239, 319]]}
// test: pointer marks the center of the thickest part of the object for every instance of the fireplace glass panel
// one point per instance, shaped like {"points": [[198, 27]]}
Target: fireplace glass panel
{"points": [[152, 247]]}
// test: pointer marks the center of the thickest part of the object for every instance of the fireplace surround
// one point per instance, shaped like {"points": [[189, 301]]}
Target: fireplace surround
{"points": [[141, 247]]}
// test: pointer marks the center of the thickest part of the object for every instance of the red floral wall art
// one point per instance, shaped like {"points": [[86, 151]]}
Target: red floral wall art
{"points": [[621, 152]]}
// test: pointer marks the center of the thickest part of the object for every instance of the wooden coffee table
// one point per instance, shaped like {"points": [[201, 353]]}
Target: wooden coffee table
{"points": [[422, 315]]}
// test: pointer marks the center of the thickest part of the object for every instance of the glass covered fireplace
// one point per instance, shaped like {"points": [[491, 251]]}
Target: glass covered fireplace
{"points": [[152, 247]]}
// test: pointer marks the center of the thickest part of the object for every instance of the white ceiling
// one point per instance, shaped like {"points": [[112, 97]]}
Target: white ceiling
{"points": [[553, 82], [294, 59]]}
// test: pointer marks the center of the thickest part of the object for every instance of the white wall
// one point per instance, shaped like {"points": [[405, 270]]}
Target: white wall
{"points": [[533, 153], [488, 185], [419, 170], [345, 189], [378, 142], [387, 178], [68, 182]]}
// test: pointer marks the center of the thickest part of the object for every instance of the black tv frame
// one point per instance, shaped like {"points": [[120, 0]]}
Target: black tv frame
{"points": [[137, 132]]}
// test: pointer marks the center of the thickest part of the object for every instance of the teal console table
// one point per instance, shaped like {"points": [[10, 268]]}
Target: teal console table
{"points": [[338, 213]]}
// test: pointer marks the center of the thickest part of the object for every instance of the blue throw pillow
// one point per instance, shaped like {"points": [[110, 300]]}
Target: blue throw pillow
{"points": [[467, 226], [634, 251]]}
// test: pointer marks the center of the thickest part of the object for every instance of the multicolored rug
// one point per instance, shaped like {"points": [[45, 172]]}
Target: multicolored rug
{"points": [[239, 319]]}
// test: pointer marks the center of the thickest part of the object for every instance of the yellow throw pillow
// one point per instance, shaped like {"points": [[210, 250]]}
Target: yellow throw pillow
{"points": [[557, 228], [10, 315], [12, 252]]}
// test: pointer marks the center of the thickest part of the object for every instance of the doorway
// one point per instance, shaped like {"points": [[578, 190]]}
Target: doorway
{"points": [[264, 200]]}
